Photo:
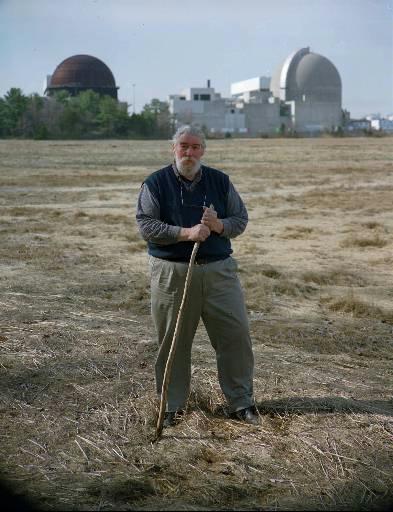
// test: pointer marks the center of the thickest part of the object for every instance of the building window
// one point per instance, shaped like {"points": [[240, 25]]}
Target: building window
{"points": [[182, 98], [285, 110], [196, 97], [204, 97]]}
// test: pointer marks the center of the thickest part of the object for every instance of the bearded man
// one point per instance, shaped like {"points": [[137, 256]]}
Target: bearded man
{"points": [[173, 214]]}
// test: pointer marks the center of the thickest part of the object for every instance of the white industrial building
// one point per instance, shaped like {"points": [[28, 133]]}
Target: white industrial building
{"points": [[204, 107], [381, 124], [303, 96]]}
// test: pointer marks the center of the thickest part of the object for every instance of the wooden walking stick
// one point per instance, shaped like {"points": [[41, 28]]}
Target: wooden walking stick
{"points": [[171, 355]]}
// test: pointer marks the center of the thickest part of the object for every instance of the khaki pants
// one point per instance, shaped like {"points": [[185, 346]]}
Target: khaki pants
{"points": [[215, 295]]}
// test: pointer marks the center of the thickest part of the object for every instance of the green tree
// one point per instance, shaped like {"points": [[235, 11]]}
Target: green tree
{"points": [[140, 125], [12, 110], [88, 103], [70, 120], [157, 112], [62, 97], [33, 123], [4, 119], [85, 115], [112, 118]]}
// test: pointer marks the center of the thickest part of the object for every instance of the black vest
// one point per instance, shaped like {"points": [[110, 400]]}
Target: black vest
{"points": [[181, 207]]}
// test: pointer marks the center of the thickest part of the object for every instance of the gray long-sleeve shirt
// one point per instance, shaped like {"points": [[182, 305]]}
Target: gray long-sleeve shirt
{"points": [[155, 230]]}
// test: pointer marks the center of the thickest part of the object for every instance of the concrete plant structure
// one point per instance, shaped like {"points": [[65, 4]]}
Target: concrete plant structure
{"points": [[304, 95], [205, 107]]}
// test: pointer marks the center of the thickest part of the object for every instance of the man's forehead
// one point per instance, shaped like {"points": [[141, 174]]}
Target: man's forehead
{"points": [[189, 139]]}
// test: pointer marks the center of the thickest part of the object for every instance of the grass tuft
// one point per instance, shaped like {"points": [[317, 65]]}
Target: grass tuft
{"points": [[364, 241], [334, 277], [358, 308]]}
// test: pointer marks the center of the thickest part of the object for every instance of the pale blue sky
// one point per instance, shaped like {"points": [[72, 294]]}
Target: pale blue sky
{"points": [[163, 46]]}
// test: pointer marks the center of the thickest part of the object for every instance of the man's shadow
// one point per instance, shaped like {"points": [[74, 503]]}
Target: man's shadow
{"points": [[12, 501], [324, 405]]}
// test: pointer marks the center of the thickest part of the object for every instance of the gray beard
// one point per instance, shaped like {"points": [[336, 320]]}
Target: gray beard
{"points": [[187, 170]]}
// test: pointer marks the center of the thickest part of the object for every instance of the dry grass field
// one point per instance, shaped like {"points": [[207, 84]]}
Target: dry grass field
{"points": [[78, 407]]}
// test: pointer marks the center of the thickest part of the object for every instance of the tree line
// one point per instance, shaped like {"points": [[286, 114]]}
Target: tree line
{"points": [[87, 115]]}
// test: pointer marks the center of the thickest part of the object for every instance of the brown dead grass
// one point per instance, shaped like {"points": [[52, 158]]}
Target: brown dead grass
{"points": [[364, 241], [77, 399], [355, 306], [297, 232], [335, 276]]}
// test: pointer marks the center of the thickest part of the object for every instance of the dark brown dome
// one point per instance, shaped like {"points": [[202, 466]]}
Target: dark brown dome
{"points": [[82, 72]]}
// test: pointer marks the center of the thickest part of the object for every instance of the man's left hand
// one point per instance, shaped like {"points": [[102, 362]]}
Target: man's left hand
{"points": [[210, 219]]}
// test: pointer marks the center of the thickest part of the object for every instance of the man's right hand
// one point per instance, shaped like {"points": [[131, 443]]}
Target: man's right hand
{"points": [[197, 233]]}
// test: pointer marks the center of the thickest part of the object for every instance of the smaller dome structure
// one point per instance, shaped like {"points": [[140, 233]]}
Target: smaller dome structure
{"points": [[80, 73]]}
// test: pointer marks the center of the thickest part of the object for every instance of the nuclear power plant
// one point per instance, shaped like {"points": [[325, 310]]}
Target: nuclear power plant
{"points": [[304, 95]]}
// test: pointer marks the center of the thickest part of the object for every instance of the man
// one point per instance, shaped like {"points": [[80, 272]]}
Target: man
{"points": [[173, 214]]}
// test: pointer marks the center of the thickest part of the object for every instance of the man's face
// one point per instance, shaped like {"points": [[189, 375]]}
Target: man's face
{"points": [[188, 151]]}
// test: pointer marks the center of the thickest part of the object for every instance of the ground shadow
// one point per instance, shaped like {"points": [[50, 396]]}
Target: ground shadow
{"points": [[13, 501], [324, 405]]}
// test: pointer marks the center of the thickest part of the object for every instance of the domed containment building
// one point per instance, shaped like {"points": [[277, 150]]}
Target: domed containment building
{"points": [[80, 73], [310, 85]]}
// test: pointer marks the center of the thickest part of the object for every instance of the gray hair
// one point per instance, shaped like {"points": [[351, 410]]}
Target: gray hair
{"points": [[189, 130]]}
